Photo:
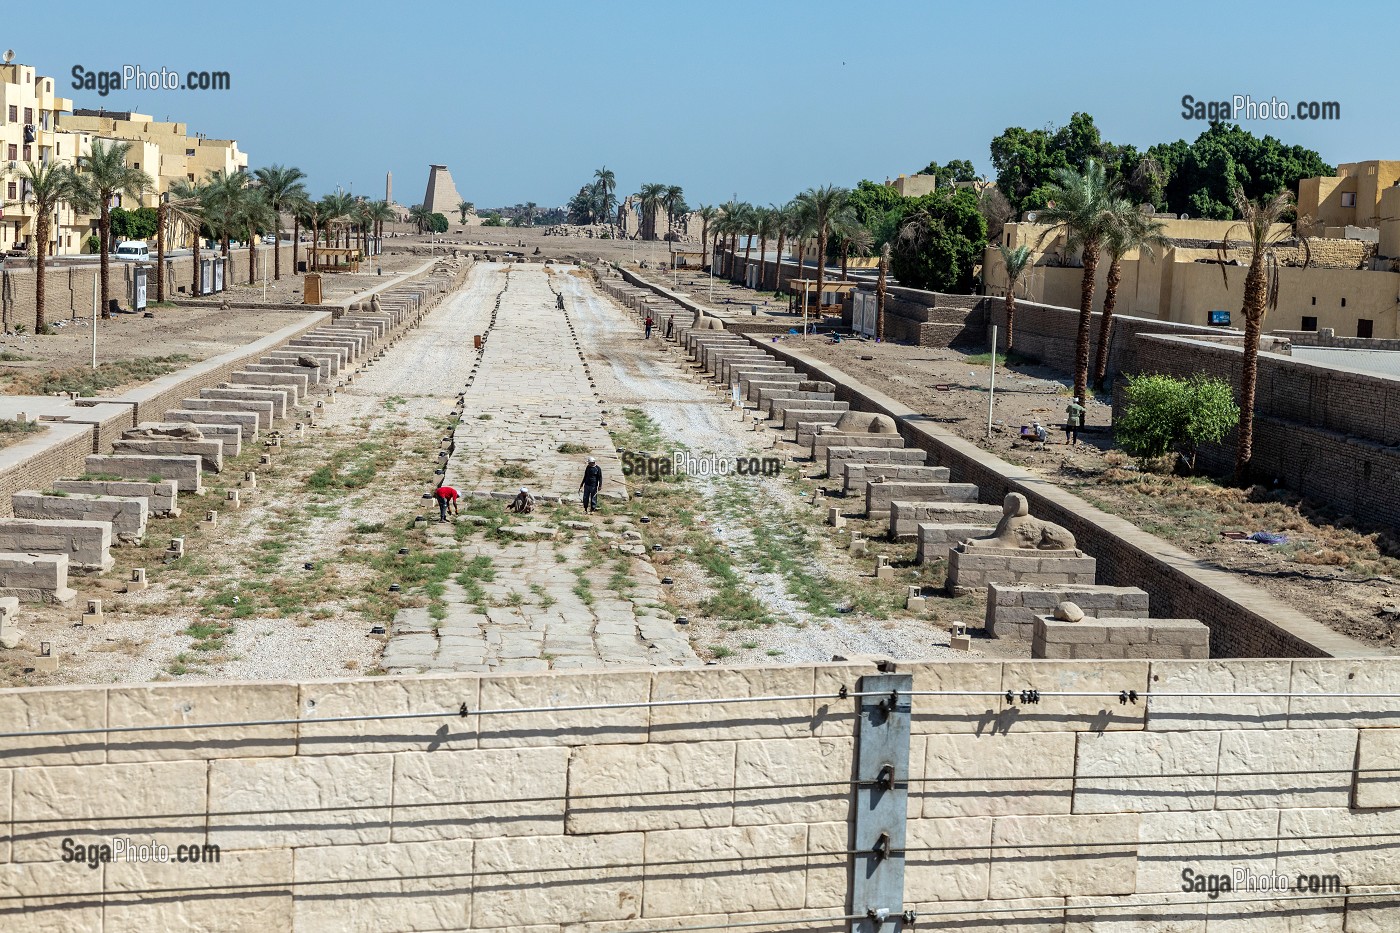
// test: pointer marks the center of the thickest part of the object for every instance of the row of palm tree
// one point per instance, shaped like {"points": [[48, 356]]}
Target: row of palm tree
{"points": [[658, 197], [1094, 217], [226, 205]]}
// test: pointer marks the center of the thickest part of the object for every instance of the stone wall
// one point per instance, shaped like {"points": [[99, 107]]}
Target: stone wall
{"points": [[1330, 434], [68, 288], [1244, 620], [1069, 809]]}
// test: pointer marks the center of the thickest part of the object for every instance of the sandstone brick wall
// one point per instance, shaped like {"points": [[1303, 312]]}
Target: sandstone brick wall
{"points": [[1244, 620], [68, 288], [35, 463], [1329, 434], [665, 817]]}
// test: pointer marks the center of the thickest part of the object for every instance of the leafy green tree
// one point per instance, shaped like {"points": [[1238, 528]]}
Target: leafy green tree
{"points": [[420, 217], [493, 219], [940, 242], [139, 224], [1165, 415], [869, 199], [1201, 176], [437, 223], [945, 175], [102, 175]]}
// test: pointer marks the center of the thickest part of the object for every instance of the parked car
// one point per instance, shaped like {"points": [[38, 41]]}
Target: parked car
{"points": [[270, 239], [133, 251]]}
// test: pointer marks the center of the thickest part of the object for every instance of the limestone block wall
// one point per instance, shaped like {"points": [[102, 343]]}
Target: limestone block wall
{"points": [[57, 452], [1071, 806]]}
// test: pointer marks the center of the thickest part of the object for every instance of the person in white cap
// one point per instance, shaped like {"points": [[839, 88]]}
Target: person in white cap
{"points": [[592, 482], [523, 502]]}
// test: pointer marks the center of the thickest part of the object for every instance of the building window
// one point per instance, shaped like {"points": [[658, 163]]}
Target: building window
{"points": [[190, 176], [137, 166], [28, 153], [1348, 199], [1309, 323], [12, 191], [1363, 327], [1314, 299], [14, 114], [1344, 302], [189, 153], [28, 114], [13, 152]]}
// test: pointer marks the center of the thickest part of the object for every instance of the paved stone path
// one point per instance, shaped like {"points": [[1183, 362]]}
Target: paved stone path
{"points": [[544, 607]]}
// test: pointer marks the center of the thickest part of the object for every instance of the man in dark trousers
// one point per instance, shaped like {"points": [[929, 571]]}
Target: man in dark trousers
{"points": [[649, 325], [592, 482], [446, 498]]}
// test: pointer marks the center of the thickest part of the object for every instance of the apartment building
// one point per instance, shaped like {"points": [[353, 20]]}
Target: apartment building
{"points": [[30, 132]]}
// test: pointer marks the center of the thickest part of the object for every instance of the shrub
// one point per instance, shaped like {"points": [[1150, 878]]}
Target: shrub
{"points": [[1169, 415]]}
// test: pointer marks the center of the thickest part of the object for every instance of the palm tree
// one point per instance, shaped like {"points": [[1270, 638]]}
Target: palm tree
{"points": [[419, 216], [379, 212], [223, 199], [1080, 208], [767, 222], [853, 237], [605, 183], [822, 205], [726, 226], [103, 175], [47, 186], [747, 225], [1016, 261], [196, 193], [526, 217], [782, 226], [255, 215], [650, 198], [1132, 229], [340, 207], [673, 199], [1257, 222], [708, 213], [463, 209], [315, 215], [283, 189], [880, 293], [176, 212]]}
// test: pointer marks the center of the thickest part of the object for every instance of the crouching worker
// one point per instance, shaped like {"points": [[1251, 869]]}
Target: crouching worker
{"points": [[523, 503]]}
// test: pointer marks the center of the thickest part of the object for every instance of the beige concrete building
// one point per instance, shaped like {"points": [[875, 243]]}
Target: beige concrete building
{"points": [[1351, 198], [165, 151], [29, 132], [913, 186], [1331, 284]]}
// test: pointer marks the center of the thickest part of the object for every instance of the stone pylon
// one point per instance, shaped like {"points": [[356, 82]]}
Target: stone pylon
{"points": [[441, 197]]}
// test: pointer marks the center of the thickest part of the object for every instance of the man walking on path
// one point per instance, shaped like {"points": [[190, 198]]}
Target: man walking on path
{"points": [[592, 482], [1074, 418], [649, 326], [446, 498]]}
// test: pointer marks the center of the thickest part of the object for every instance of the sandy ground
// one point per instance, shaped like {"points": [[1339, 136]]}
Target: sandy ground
{"points": [[689, 414], [390, 416]]}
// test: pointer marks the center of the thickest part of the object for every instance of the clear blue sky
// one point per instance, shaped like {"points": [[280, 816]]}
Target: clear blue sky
{"points": [[523, 99]]}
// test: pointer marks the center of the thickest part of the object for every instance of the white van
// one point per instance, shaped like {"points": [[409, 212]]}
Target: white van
{"points": [[133, 251]]}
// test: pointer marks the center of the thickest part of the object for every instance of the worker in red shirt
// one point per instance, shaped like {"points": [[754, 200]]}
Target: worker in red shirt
{"points": [[446, 498]]}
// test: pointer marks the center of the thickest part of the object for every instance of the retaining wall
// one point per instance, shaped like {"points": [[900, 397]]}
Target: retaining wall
{"points": [[1067, 810]]}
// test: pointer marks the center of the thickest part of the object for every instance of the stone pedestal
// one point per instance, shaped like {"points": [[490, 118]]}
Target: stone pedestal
{"points": [[1055, 639], [971, 569]]}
